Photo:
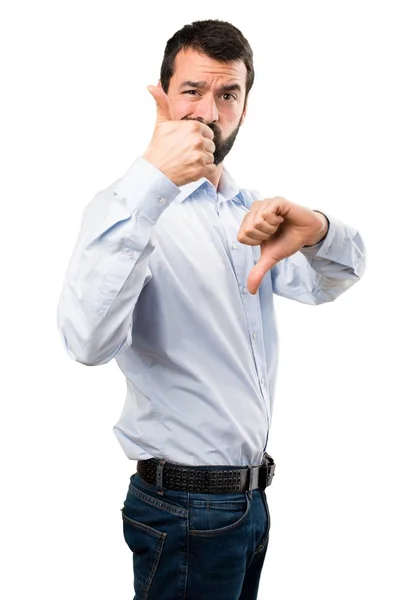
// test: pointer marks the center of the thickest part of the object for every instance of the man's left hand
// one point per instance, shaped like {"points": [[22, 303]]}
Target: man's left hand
{"points": [[281, 228]]}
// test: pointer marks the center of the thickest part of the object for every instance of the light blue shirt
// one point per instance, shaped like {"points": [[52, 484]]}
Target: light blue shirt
{"points": [[157, 280]]}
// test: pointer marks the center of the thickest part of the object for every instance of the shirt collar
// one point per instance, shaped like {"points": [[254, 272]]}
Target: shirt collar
{"points": [[226, 190]]}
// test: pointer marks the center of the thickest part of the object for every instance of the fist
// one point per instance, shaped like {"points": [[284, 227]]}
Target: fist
{"points": [[182, 150], [281, 228]]}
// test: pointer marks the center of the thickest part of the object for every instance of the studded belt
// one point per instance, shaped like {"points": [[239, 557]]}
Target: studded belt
{"points": [[206, 480]]}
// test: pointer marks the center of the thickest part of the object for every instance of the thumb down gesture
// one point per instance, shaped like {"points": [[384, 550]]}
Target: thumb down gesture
{"points": [[281, 228]]}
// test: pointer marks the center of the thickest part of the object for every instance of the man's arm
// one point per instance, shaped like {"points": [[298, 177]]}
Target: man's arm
{"points": [[109, 266], [322, 272]]}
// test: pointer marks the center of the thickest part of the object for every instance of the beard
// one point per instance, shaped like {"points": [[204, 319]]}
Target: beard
{"points": [[223, 145]]}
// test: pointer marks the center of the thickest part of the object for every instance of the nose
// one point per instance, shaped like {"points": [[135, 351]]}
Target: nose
{"points": [[206, 109]]}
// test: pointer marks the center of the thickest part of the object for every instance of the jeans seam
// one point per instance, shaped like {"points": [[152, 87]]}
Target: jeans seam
{"points": [[159, 535], [154, 566], [179, 512], [223, 530], [187, 562], [264, 540]]}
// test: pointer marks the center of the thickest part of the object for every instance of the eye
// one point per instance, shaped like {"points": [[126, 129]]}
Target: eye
{"points": [[231, 95], [190, 92]]}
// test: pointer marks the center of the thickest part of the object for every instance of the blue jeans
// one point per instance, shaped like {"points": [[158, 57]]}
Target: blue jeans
{"points": [[189, 546]]}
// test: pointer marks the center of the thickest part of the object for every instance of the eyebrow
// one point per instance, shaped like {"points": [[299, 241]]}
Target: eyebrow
{"points": [[230, 87]]}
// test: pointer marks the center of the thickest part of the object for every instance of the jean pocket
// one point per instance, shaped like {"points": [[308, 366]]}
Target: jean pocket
{"points": [[146, 544], [209, 518], [144, 494]]}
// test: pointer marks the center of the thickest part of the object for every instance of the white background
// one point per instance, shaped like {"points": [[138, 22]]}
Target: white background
{"points": [[331, 125]]}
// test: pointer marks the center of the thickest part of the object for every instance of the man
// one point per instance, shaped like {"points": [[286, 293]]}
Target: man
{"points": [[173, 275]]}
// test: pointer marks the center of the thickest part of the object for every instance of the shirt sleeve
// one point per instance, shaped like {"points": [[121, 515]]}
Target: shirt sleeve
{"points": [[109, 266], [320, 273]]}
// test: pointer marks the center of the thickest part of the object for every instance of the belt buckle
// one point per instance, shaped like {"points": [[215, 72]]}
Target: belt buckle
{"points": [[261, 476], [270, 469]]}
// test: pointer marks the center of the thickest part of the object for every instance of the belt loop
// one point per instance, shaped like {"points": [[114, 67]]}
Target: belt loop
{"points": [[253, 478], [159, 470]]}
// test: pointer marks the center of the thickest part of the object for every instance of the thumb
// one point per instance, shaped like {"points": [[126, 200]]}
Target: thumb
{"points": [[163, 107], [258, 272]]}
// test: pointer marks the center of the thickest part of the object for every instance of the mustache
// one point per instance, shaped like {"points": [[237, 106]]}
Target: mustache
{"points": [[213, 126]]}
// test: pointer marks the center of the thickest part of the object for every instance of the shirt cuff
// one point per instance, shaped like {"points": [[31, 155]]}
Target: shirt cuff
{"points": [[146, 189], [337, 246]]}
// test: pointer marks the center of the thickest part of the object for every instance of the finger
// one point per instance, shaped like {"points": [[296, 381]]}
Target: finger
{"points": [[253, 238], [210, 170], [258, 230], [209, 145], [208, 158], [255, 279], [265, 227], [206, 131], [163, 107], [272, 218], [258, 272], [255, 234]]}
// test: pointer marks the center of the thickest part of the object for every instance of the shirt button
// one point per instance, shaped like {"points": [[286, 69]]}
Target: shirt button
{"points": [[234, 246], [245, 289], [262, 380], [162, 201], [254, 335]]}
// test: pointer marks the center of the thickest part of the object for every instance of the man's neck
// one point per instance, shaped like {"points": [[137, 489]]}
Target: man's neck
{"points": [[216, 177]]}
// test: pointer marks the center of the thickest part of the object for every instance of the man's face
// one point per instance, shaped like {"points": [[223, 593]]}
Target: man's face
{"points": [[211, 92]]}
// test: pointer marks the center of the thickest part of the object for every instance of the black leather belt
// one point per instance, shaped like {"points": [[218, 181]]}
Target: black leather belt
{"points": [[203, 480]]}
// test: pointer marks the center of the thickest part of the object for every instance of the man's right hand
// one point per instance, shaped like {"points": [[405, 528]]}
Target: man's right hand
{"points": [[182, 150]]}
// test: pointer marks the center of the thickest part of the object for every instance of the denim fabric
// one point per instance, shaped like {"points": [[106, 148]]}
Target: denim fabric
{"points": [[189, 546]]}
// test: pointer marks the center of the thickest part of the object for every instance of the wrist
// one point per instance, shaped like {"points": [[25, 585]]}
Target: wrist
{"points": [[322, 231]]}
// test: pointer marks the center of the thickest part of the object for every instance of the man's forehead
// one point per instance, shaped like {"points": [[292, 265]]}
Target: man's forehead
{"points": [[191, 65]]}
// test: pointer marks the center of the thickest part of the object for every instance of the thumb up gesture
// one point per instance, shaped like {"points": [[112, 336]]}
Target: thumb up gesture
{"points": [[163, 107], [281, 228], [181, 149]]}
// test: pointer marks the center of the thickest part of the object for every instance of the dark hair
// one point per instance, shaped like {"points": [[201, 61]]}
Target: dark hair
{"points": [[219, 40]]}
